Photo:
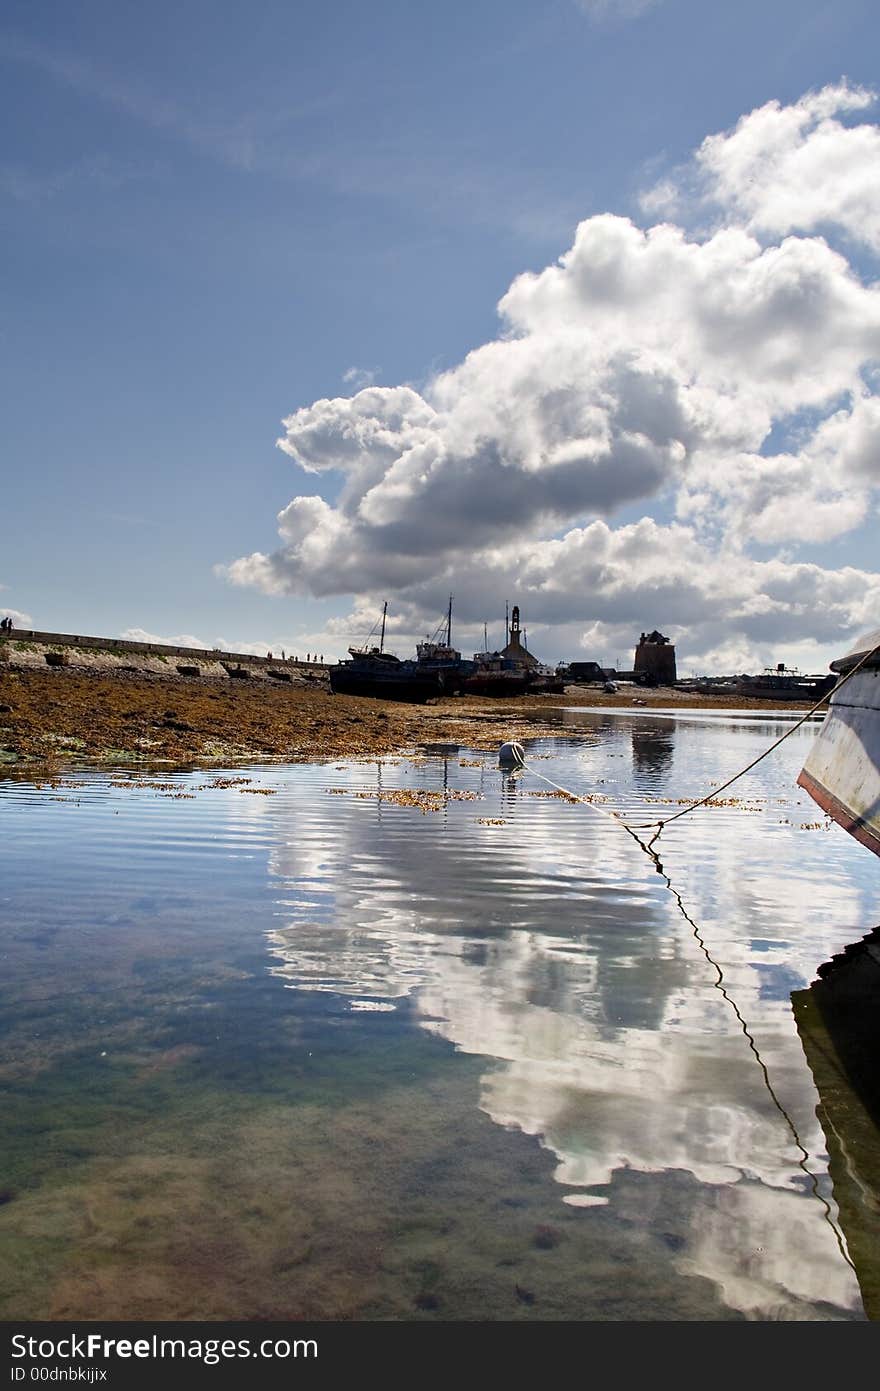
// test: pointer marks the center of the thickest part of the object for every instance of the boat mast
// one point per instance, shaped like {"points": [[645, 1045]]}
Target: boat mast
{"points": [[507, 622], [449, 624], [382, 638], [485, 636]]}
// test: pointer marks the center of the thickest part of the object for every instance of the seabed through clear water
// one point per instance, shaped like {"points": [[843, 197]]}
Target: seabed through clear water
{"points": [[420, 1039]]}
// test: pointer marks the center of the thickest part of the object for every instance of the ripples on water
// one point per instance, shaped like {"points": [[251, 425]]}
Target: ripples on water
{"points": [[322, 1054]]}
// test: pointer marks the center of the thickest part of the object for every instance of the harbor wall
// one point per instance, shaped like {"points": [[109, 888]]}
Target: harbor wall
{"points": [[30, 647]]}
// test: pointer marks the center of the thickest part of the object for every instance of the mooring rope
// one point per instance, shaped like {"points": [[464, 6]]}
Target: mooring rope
{"points": [[661, 822], [514, 756], [720, 985]]}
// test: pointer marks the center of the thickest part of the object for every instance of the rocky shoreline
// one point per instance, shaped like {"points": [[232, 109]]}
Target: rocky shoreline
{"points": [[51, 718]]}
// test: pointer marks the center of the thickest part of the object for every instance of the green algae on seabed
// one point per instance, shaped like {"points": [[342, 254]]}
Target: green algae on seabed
{"points": [[208, 1122], [218, 1204], [213, 1164]]}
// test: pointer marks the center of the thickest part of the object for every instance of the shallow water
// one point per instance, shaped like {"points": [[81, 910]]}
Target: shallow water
{"points": [[305, 1047]]}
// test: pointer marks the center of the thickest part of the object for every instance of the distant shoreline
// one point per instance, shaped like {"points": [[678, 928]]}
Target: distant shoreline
{"points": [[53, 717]]}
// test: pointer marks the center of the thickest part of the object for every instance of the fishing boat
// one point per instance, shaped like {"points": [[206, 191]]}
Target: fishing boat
{"points": [[437, 657], [496, 675], [783, 683], [546, 680], [842, 772], [512, 671], [371, 671]]}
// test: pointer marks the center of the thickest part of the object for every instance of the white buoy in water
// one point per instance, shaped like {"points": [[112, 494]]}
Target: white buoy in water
{"points": [[511, 755]]}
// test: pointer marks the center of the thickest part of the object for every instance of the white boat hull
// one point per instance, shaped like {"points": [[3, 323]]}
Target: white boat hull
{"points": [[842, 772]]}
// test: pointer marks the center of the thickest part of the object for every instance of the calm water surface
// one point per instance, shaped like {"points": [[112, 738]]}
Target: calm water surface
{"points": [[300, 1047]]}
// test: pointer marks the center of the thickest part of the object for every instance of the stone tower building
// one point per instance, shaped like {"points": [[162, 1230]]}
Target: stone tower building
{"points": [[654, 663]]}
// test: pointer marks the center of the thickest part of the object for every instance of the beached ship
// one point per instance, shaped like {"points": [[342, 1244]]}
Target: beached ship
{"points": [[371, 671], [496, 675], [546, 680], [842, 772], [436, 657], [383, 676], [783, 683], [513, 671]]}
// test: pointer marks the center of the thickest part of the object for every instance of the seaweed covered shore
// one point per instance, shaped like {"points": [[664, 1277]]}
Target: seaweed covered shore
{"points": [[57, 716]]}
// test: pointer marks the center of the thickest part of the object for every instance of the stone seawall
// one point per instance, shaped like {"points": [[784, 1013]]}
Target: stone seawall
{"points": [[30, 648]]}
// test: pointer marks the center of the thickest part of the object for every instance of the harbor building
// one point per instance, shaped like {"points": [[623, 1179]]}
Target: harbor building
{"points": [[654, 663]]}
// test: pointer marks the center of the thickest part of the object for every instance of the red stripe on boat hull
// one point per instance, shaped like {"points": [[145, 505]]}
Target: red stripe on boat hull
{"points": [[839, 813]]}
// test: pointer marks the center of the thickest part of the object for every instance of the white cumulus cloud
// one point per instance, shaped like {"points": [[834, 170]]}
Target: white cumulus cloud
{"points": [[799, 167], [723, 378]]}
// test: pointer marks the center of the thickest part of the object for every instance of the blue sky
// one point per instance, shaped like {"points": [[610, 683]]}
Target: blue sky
{"points": [[216, 215]]}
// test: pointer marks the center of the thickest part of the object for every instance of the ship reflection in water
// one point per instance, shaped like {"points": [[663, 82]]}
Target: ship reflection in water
{"points": [[420, 1039], [563, 961], [838, 1019]]}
